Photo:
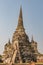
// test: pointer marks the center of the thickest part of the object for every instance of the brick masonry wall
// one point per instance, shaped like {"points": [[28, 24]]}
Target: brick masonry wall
{"points": [[20, 64]]}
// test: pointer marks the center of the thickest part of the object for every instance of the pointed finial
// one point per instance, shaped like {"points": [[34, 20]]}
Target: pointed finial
{"points": [[32, 39], [9, 41], [20, 15]]}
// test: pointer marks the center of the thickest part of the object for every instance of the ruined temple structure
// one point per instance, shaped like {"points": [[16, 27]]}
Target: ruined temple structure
{"points": [[20, 50]]}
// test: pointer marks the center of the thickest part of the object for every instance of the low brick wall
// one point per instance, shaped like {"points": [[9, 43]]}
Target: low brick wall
{"points": [[22, 64]]}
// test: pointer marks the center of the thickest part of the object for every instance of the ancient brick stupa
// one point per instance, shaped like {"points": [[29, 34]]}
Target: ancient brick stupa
{"points": [[20, 50]]}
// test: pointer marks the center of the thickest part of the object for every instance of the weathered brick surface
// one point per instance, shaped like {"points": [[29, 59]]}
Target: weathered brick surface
{"points": [[20, 64]]}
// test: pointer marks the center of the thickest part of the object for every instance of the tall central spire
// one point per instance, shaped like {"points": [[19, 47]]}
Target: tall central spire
{"points": [[20, 20], [20, 15]]}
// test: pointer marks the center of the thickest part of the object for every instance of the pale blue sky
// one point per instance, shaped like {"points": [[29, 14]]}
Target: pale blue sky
{"points": [[32, 19]]}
